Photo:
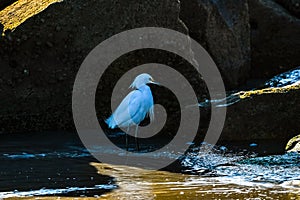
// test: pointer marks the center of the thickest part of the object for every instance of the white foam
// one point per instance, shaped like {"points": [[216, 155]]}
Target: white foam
{"points": [[44, 191]]}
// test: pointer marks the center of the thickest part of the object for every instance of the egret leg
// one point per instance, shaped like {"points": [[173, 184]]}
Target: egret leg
{"points": [[136, 139], [126, 137]]}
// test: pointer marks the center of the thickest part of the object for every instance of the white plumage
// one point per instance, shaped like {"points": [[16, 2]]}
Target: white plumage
{"points": [[135, 106]]}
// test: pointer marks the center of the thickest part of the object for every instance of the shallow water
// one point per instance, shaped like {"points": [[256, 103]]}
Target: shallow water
{"points": [[56, 165]]}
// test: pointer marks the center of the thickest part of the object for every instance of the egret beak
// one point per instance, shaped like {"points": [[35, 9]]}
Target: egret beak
{"points": [[153, 82]]}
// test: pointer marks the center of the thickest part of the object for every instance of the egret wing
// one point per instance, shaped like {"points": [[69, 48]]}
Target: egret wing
{"points": [[125, 112]]}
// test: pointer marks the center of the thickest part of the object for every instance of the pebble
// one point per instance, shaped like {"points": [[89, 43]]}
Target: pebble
{"points": [[49, 44], [9, 38], [10, 83], [60, 78], [58, 28], [26, 71], [24, 37]]}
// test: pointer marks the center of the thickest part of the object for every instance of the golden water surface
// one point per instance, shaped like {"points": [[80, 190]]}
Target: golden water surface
{"points": [[135, 183]]}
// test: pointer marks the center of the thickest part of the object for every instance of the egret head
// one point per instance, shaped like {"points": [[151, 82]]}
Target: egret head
{"points": [[141, 80]]}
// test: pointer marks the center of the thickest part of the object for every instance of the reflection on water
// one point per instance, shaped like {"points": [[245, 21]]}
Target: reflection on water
{"points": [[136, 183], [60, 166]]}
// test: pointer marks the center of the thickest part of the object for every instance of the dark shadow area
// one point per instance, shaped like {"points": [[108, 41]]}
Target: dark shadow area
{"points": [[292, 6], [55, 160], [5, 3]]}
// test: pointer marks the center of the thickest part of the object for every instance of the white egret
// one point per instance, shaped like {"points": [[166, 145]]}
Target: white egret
{"points": [[134, 107]]}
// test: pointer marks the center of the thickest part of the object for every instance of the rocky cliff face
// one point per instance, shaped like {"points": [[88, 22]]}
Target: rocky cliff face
{"points": [[40, 59], [247, 39], [274, 37], [292, 6], [222, 27], [263, 116]]}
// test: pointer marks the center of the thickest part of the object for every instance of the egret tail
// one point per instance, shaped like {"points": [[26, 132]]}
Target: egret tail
{"points": [[111, 122]]}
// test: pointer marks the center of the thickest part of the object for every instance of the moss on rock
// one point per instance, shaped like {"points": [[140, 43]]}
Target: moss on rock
{"points": [[294, 144]]}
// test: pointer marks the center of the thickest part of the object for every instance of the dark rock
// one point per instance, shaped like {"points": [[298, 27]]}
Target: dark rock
{"points": [[5, 3], [49, 44], [24, 37], [1, 29], [58, 28], [8, 36], [48, 108], [26, 72], [38, 43], [222, 27], [275, 38], [270, 118], [293, 6]]}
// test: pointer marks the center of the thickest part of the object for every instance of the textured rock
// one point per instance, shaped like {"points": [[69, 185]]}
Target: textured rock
{"points": [[264, 117], [275, 38], [293, 6], [222, 27], [41, 57], [1, 28]]}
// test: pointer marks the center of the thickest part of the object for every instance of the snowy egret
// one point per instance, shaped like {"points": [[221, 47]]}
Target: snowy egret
{"points": [[134, 107]]}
